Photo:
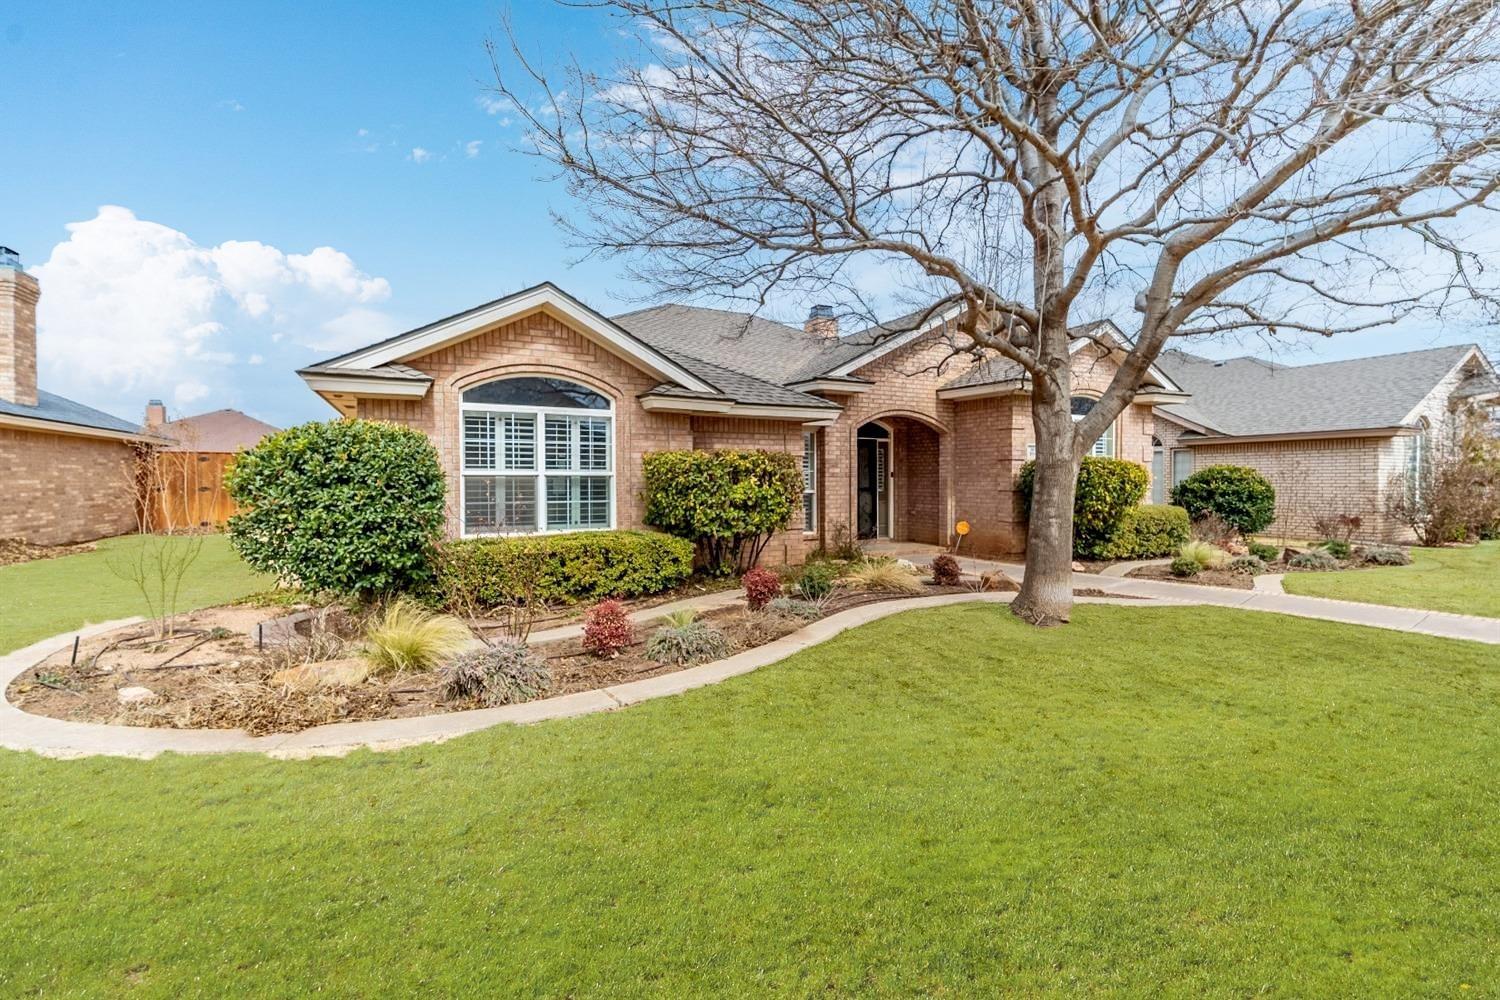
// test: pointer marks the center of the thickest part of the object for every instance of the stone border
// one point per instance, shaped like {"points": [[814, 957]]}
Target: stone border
{"points": [[59, 738], [20, 730]]}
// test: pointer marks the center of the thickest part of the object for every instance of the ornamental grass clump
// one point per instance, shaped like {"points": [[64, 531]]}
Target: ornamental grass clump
{"points": [[1204, 555], [686, 639], [506, 673], [406, 636], [761, 586], [882, 574], [607, 629]]}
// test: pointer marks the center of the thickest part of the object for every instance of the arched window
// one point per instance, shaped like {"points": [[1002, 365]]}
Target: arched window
{"points": [[1105, 446], [538, 455]]}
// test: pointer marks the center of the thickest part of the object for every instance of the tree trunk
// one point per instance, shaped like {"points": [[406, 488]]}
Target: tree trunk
{"points": [[1046, 596]]}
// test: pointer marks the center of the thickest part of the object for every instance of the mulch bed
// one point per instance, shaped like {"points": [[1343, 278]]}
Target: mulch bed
{"points": [[1207, 577], [14, 550]]}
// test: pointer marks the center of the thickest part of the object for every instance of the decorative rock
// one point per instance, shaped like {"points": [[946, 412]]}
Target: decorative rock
{"points": [[1235, 547], [999, 582], [135, 695], [1078, 567], [908, 565], [327, 674]]}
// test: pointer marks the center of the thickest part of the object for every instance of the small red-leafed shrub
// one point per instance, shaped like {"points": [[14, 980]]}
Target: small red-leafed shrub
{"points": [[607, 629], [946, 571], [761, 587]]}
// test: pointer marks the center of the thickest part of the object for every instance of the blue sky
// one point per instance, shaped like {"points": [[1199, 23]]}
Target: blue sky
{"points": [[233, 140]]}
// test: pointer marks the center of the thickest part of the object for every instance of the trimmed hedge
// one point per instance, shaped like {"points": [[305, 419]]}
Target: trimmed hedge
{"points": [[1148, 531], [1239, 495], [727, 502], [581, 566], [1107, 489], [348, 506]]}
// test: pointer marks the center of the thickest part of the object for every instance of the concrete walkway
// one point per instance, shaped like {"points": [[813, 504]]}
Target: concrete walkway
{"points": [[1439, 623], [58, 738]]}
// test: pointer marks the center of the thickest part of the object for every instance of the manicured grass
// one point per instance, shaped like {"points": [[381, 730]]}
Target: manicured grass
{"points": [[1150, 801], [1465, 581], [48, 596]]}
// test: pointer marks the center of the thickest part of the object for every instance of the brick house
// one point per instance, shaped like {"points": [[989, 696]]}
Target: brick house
{"points": [[65, 468], [541, 408], [1330, 437]]}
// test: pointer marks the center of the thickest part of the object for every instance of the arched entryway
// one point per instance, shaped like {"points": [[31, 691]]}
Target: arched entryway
{"points": [[900, 489]]}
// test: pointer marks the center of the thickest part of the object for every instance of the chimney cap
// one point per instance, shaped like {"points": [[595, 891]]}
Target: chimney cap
{"points": [[820, 311], [9, 258], [153, 402]]}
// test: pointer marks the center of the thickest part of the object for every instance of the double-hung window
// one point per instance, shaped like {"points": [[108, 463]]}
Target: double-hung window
{"points": [[809, 481], [538, 455]]}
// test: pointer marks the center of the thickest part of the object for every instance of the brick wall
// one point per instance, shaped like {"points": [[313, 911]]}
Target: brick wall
{"points": [[19, 292], [540, 344], [62, 488]]}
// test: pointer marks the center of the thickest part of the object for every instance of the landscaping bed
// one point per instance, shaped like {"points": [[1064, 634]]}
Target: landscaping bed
{"points": [[211, 675], [14, 550]]}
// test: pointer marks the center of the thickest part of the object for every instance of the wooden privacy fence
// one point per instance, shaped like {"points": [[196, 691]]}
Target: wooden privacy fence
{"points": [[184, 490]]}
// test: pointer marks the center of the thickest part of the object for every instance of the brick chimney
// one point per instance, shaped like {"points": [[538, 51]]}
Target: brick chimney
{"points": [[156, 414], [18, 294], [822, 321]]}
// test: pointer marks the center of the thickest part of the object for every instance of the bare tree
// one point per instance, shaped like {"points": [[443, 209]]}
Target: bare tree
{"points": [[1219, 166], [168, 492]]}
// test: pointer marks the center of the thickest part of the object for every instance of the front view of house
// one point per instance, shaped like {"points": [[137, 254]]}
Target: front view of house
{"points": [[541, 409]]}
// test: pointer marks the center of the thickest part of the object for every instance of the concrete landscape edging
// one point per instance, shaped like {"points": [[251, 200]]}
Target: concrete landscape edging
{"points": [[20, 730]]}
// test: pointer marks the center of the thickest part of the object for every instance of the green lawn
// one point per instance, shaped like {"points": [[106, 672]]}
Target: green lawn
{"points": [[1464, 581], [1150, 801], [48, 596]]}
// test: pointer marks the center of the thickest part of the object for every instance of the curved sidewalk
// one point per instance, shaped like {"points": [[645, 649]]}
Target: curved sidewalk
{"points": [[59, 738]]}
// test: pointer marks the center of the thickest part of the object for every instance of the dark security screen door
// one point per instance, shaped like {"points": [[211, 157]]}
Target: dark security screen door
{"points": [[867, 494]]}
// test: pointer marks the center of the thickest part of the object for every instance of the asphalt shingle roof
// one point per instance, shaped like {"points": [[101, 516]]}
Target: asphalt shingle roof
{"points": [[216, 431], [1248, 396], [50, 406]]}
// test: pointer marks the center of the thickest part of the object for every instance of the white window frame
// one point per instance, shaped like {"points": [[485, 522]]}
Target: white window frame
{"points": [[1105, 446], [809, 482], [538, 416]]}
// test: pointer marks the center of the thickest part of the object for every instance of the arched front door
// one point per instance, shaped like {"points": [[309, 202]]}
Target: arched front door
{"points": [[873, 481]]}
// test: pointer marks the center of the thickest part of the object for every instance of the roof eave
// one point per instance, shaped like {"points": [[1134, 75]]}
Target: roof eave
{"points": [[729, 408], [1353, 432], [79, 430], [543, 297]]}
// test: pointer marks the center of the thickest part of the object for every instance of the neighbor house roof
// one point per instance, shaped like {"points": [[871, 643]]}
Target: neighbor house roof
{"points": [[217, 431], [1249, 397], [66, 414]]}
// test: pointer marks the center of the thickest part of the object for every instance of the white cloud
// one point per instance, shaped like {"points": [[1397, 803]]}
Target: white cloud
{"points": [[132, 308], [471, 148], [419, 155], [362, 132], [232, 105]]}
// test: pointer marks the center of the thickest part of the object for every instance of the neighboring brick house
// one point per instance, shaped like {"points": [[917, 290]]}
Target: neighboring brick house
{"points": [[65, 468], [541, 409], [1330, 437]]}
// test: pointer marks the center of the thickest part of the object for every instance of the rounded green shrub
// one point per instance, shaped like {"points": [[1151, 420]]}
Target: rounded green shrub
{"points": [[1148, 531], [817, 580], [1240, 496], [1383, 555], [1107, 489], [1250, 565], [728, 502], [1266, 553], [578, 566], [1337, 548], [1313, 559], [1184, 566], [347, 506]]}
